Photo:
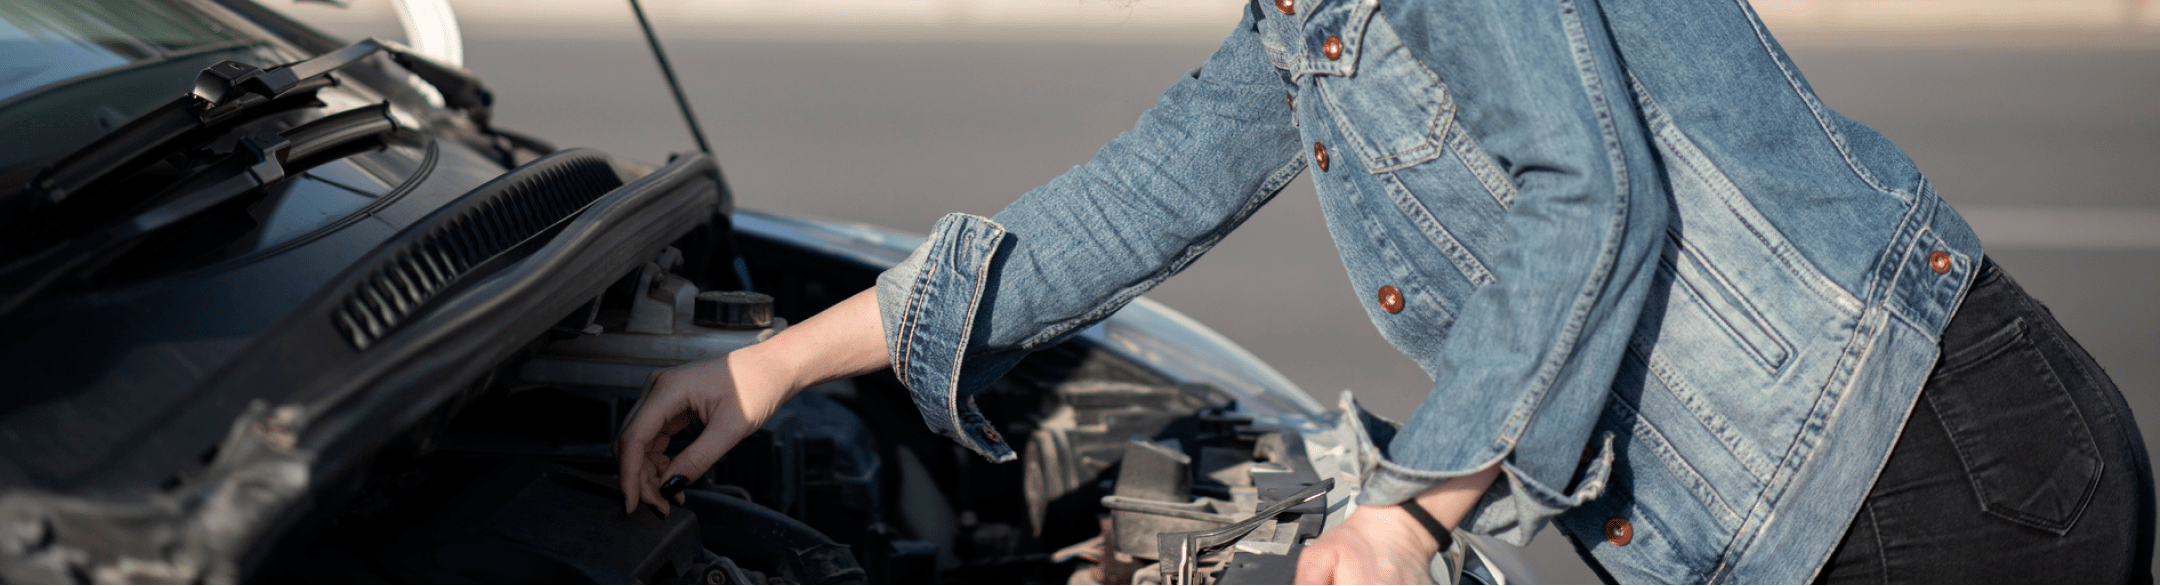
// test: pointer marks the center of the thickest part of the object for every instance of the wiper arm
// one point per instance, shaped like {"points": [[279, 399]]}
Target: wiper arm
{"points": [[258, 159], [222, 92]]}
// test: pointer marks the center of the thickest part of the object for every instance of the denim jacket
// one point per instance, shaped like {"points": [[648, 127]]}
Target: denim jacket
{"points": [[1684, 305]]}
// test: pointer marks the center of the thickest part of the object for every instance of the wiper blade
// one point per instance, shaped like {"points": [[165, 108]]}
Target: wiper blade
{"points": [[222, 92], [258, 159]]}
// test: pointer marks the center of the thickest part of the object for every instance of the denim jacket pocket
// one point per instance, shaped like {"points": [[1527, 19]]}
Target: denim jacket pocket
{"points": [[1393, 108], [1700, 284], [2026, 447]]}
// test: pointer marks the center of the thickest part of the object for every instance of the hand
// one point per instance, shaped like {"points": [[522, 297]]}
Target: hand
{"points": [[1376, 545], [1384, 544], [735, 394], [732, 396]]}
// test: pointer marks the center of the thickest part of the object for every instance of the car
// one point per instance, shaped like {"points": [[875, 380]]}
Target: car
{"points": [[279, 307]]}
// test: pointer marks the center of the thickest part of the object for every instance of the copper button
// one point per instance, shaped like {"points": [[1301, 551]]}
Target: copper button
{"points": [[1319, 156], [1618, 531], [1390, 299], [991, 434], [1939, 262], [1332, 47], [1286, 6], [1290, 99]]}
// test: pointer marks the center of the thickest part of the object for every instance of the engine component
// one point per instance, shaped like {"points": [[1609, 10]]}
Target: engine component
{"points": [[760, 538], [1180, 552], [627, 341], [1085, 436], [1154, 497], [734, 310], [529, 521]]}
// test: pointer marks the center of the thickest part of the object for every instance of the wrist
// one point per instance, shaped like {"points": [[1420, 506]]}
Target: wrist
{"points": [[1401, 527], [843, 341]]}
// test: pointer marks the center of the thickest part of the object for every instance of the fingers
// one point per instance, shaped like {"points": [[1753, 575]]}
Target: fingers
{"points": [[629, 481], [637, 469], [694, 460], [637, 460], [633, 469], [674, 399], [651, 495]]}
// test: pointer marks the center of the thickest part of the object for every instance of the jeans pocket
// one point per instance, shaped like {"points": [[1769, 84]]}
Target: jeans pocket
{"points": [[2019, 435]]}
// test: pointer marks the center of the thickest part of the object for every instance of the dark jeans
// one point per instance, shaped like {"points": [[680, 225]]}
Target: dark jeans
{"points": [[2020, 463]]}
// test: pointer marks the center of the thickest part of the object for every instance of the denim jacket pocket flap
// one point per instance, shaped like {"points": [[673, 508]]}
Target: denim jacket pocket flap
{"points": [[2033, 461], [1341, 20], [1393, 108]]}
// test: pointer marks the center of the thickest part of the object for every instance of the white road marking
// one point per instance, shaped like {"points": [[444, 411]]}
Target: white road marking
{"points": [[2064, 228]]}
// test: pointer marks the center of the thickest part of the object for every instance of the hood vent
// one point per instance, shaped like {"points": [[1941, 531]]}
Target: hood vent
{"points": [[434, 253]]}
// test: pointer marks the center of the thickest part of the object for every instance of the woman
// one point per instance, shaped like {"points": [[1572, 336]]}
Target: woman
{"points": [[1672, 305]]}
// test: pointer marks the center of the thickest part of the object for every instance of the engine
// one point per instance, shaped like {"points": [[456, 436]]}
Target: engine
{"points": [[1127, 478]]}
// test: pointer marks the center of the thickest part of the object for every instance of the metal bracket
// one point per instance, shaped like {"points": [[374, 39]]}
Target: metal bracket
{"points": [[1181, 551]]}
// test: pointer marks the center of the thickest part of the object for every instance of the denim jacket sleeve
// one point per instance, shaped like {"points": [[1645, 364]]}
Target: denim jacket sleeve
{"points": [[1521, 373], [981, 293], [1524, 371]]}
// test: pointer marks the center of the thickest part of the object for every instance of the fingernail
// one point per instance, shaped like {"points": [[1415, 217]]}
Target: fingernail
{"points": [[658, 512], [674, 485]]}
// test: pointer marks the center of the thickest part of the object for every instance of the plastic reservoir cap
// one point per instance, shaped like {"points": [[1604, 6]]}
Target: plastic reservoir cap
{"points": [[741, 310]]}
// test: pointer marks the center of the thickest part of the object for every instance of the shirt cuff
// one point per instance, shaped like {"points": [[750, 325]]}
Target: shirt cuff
{"points": [[1512, 509], [928, 305]]}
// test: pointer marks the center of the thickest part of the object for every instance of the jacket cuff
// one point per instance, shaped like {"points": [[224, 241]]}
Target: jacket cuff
{"points": [[928, 305], [1512, 509]]}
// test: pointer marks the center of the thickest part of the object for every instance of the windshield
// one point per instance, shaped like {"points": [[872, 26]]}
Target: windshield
{"points": [[72, 71], [75, 69]]}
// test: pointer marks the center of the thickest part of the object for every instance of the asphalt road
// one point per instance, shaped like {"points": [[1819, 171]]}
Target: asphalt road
{"points": [[899, 133]]}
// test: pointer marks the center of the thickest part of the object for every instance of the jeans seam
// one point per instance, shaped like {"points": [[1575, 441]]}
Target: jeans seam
{"points": [[2057, 338], [1882, 552], [1964, 462]]}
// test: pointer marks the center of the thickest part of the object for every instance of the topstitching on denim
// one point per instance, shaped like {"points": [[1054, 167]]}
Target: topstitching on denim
{"points": [[1588, 222]]}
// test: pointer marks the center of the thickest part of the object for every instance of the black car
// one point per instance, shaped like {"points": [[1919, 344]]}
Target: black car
{"points": [[276, 307]]}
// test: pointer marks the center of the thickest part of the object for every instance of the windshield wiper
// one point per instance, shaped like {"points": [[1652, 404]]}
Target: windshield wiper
{"points": [[222, 92], [258, 159]]}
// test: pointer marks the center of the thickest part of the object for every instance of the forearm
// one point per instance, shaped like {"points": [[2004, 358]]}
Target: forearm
{"points": [[845, 340]]}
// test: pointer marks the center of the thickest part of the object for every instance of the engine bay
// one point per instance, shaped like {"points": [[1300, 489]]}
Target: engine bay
{"points": [[1124, 473]]}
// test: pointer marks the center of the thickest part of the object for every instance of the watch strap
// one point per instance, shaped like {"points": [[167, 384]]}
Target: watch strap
{"points": [[1439, 532]]}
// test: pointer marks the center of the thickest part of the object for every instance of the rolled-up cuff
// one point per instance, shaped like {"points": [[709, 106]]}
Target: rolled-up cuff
{"points": [[928, 305], [1512, 509]]}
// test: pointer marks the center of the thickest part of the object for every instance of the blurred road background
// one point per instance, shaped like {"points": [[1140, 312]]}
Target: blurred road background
{"points": [[2034, 117]]}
